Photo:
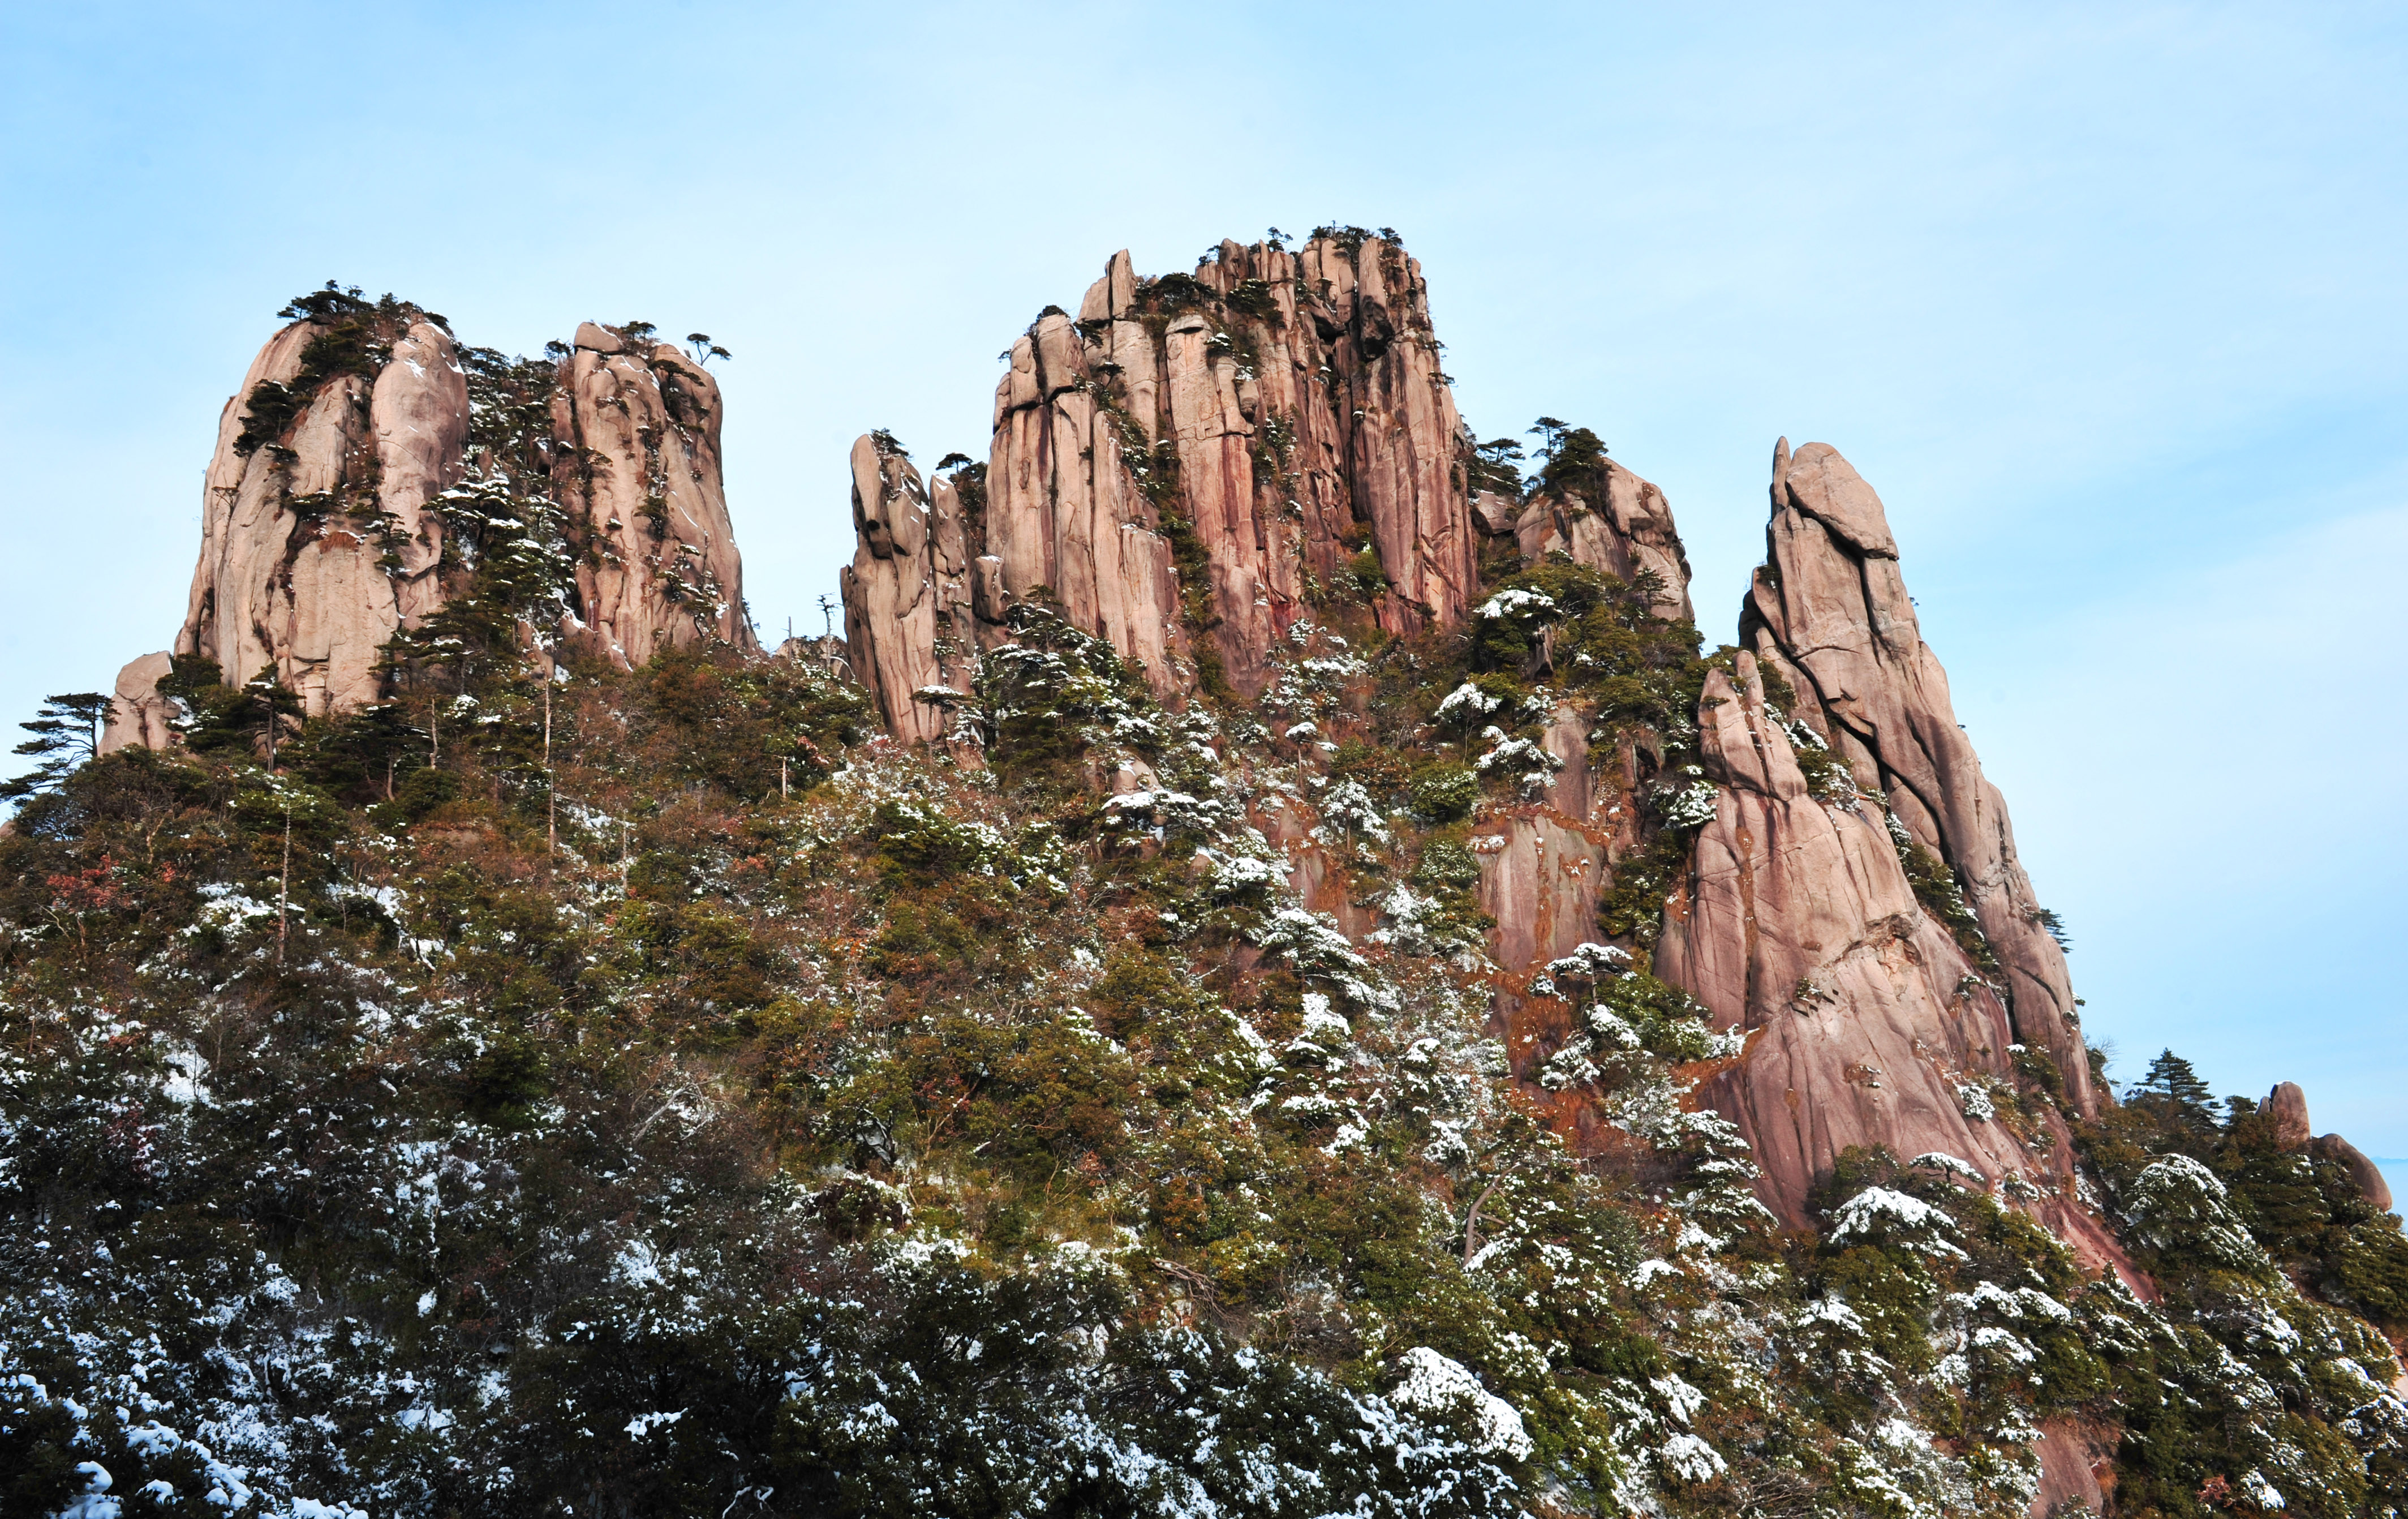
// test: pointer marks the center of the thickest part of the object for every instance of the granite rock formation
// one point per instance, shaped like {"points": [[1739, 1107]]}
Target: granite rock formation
{"points": [[908, 617], [637, 468], [1829, 612], [1867, 1022], [318, 540], [2288, 1106], [138, 716], [1626, 531], [1178, 462]]}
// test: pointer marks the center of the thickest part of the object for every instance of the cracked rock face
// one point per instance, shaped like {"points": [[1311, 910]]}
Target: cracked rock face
{"points": [[1829, 613], [1179, 460], [1626, 531], [316, 541], [637, 472], [909, 619], [1867, 1023]]}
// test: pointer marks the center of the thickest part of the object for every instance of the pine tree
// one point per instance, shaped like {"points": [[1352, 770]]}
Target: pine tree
{"points": [[2175, 1087], [66, 733]]}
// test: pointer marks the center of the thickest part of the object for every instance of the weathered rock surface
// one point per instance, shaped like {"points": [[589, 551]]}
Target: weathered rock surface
{"points": [[317, 544], [1283, 412], [1829, 613], [2288, 1106], [637, 471], [907, 620], [1867, 1023], [1626, 531], [138, 716], [2362, 1169]]}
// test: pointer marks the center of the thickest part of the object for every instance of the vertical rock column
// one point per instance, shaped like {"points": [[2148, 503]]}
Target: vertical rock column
{"points": [[318, 541], [1255, 427], [908, 619], [639, 473], [1830, 612], [1065, 511]]}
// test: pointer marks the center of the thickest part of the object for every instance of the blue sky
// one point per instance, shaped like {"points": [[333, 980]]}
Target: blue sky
{"points": [[2107, 301]]}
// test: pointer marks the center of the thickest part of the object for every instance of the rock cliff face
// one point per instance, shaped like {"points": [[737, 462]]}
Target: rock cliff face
{"points": [[908, 617], [1181, 460], [316, 541], [1829, 613], [637, 471], [1867, 1022]]}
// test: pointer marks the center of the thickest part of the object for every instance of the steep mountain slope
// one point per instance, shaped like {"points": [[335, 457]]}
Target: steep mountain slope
{"points": [[1269, 973]]}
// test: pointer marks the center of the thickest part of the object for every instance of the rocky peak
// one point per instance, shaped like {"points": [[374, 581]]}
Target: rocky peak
{"points": [[1868, 1024], [637, 469], [317, 538], [1829, 615], [2288, 1106], [907, 615], [1193, 459]]}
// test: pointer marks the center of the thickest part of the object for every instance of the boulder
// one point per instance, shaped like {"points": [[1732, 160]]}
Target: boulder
{"points": [[137, 713], [318, 544], [637, 470], [2288, 1106], [1828, 613], [2368, 1176]]}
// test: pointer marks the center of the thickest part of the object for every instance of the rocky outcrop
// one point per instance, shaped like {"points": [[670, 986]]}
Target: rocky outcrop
{"points": [[1187, 459], [908, 618], [1627, 530], [138, 716], [318, 540], [1830, 614], [1867, 1023], [637, 471], [2288, 1106]]}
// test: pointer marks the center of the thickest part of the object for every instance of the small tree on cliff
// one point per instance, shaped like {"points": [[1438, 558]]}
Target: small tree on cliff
{"points": [[65, 734], [2174, 1089]]}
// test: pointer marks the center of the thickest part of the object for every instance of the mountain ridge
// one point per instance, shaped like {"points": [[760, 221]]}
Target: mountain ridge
{"points": [[1268, 895]]}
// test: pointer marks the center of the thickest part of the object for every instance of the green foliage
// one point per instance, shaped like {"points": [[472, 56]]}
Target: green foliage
{"points": [[65, 734]]}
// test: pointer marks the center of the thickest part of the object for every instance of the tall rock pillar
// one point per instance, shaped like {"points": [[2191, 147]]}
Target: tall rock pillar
{"points": [[1829, 612], [319, 540], [637, 471]]}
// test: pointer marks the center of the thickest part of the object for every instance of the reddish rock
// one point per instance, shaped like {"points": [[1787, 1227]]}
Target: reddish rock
{"points": [[1285, 409], [906, 594], [1866, 1022], [2368, 1176], [138, 714], [318, 545], [2288, 1106], [637, 473], [1829, 613], [1628, 531]]}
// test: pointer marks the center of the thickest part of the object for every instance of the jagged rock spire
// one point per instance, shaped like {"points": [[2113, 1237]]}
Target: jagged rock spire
{"points": [[1179, 462], [1868, 1024], [637, 471], [908, 618], [1829, 613], [316, 541]]}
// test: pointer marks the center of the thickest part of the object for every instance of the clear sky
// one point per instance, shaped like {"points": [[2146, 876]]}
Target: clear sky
{"points": [[2107, 301]]}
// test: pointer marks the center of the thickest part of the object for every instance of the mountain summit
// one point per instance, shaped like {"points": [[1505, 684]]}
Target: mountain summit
{"points": [[1270, 971]]}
